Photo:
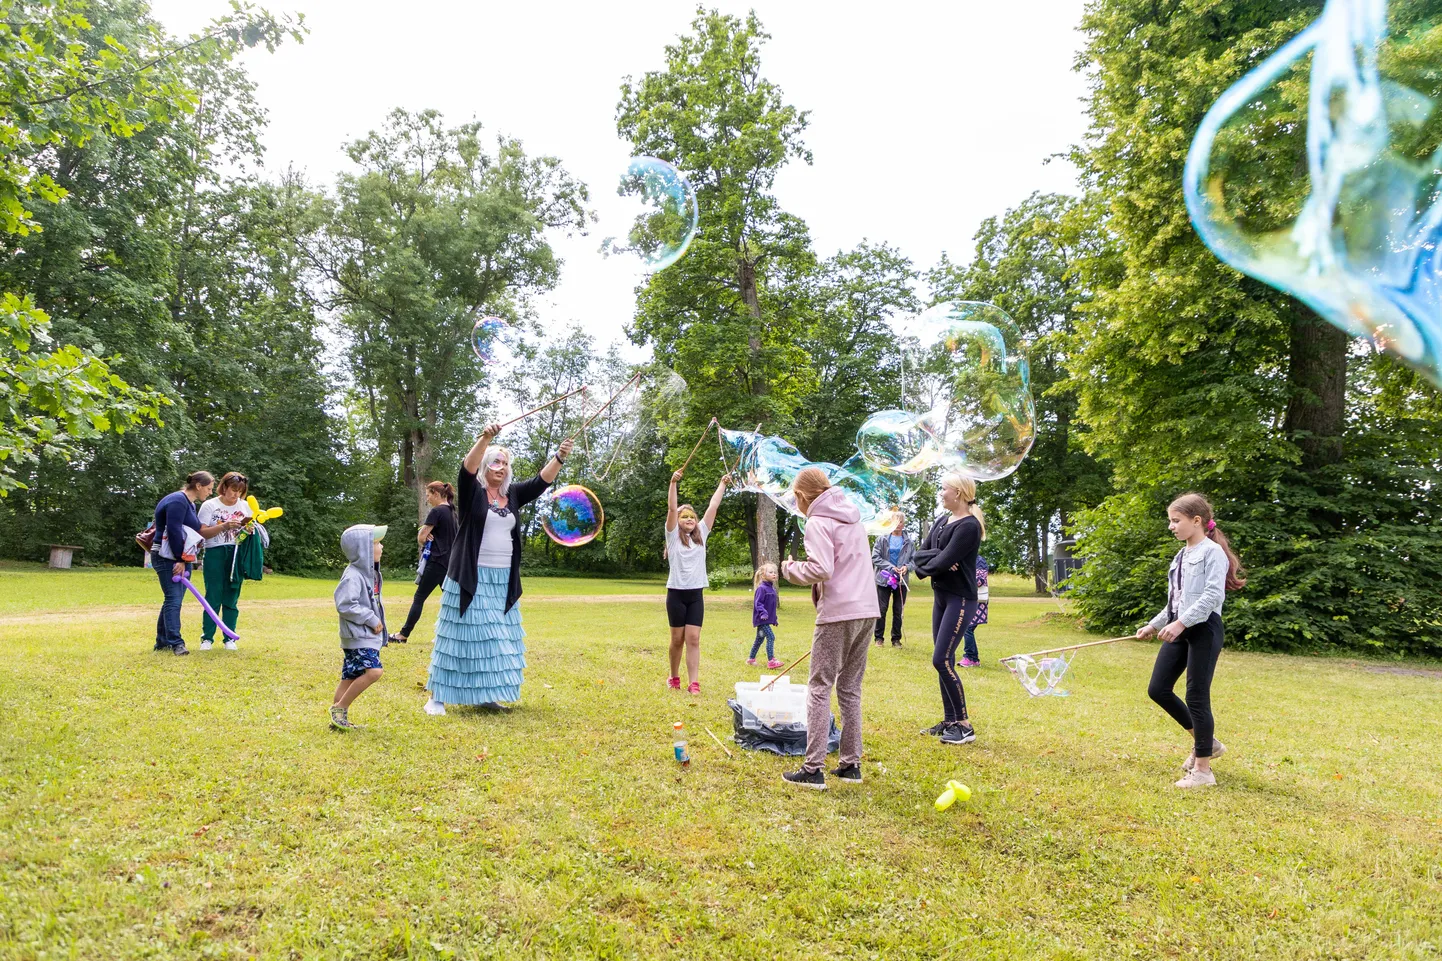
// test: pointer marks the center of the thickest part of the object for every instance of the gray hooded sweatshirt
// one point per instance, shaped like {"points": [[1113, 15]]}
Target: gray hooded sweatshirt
{"points": [[358, 596]]}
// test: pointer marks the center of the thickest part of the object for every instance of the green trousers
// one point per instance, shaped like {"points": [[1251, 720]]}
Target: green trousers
{"points": [[219, 593]]}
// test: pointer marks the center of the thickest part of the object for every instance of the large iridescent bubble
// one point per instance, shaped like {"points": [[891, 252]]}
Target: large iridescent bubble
{"points": [[965, 375], [1352, 100], [653, 217], [571, 515], [768, 465]]}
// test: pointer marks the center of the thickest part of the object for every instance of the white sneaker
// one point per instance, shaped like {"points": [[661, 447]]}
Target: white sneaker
{"points": [[1195, 778], [206, 645], [434, 706], [229, 645], [1218, 749]]}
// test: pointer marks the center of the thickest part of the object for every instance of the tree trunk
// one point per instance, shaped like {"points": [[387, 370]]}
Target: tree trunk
{"points": [[767, 549], [1317, 382]]}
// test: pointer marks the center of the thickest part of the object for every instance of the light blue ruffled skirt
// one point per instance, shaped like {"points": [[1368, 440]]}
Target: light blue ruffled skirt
{"points": [[478, 658]]}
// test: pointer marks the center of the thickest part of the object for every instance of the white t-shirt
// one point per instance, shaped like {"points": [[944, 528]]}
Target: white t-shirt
{"points": [[688, 563], [496, 540], [213, 512]]}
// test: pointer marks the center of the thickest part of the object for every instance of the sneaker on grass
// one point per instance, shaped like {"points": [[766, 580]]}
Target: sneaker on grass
{"points": [[674, 683], [958, 732], [936, 730], [1218, 749], [180, 649], [338, 719], [1195, 778], [804, 778], [850, 774], [206, 645], [229, 645], [694, 687], [435, 707]]}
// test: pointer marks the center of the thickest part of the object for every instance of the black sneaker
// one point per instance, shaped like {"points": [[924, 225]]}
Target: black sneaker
{"points": [[804, 778], [879, 642], [936, 730], [396, 639], [179, 649], [958, 733], [851, 774], [895, 643]]}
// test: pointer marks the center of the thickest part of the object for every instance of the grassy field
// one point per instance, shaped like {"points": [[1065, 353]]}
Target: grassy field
{"points": [[200, 807]]}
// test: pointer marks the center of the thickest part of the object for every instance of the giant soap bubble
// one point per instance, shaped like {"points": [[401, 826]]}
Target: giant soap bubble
{"points": [[965, 372], [652, 219], [1353, 100], [768, 465], [571, 515]]}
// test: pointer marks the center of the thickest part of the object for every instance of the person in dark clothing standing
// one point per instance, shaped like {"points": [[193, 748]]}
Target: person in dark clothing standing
{"points": [[436, 536], [892, 557], [948, 556], [176, 526]]}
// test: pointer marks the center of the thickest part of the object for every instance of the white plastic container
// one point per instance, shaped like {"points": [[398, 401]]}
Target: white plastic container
{"points": [[784, 703]]}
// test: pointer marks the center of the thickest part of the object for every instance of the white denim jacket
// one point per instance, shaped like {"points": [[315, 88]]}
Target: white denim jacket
{"points": [[1196, 585]]}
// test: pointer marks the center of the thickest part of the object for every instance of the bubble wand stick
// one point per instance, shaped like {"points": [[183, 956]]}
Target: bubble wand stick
{"points": [[549, 403], [706, 430], [787, 670], [607, 404]]}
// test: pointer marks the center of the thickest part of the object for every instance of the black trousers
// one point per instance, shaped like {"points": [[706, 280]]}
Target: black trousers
{"points": [[950, 615], [883, 598], [431, 579], [1195, 652]]}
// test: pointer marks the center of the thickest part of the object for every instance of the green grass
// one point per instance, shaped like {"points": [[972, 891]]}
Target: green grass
{"points": [[161, 807]]}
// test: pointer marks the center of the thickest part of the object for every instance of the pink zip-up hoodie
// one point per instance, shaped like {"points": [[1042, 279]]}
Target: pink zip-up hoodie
{"points": [[838, 561]]}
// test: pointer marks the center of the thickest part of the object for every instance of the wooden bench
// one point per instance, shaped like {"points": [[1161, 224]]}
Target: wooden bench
{"points": [[62, 554]]}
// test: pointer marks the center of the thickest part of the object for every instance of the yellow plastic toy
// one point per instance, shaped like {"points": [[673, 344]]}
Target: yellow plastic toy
{"points": [[955, 791]]}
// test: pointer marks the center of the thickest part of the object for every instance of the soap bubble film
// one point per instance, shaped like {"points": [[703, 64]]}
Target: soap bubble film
{"points": [[486, 337], [965, 371], [572, 515], [898, 440], [1352, 100], [652, 219]]}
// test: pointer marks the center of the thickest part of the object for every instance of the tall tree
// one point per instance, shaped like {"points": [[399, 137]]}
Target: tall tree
{"points": [[1190, 376], [726, 315], [1025, 263], [430, 234]]}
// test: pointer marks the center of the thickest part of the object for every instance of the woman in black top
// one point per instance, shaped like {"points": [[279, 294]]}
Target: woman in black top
{"points": [[439, 531], [948, 556]]}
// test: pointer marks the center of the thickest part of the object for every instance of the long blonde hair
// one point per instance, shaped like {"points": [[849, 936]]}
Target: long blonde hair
{"points": [[965, 487], [810, 484], [760, 575]]}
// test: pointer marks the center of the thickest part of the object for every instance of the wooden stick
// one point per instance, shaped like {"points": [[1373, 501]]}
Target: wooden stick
{"points": [[787, 669], [1074, 647], [549, 403], [704, 432], [717, 740], [608, 403]]}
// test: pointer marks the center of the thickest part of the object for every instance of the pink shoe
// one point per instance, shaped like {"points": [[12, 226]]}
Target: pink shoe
{"points": [[968, 662], [773, 664], [694, 688], [751, 661], [674, 683]]}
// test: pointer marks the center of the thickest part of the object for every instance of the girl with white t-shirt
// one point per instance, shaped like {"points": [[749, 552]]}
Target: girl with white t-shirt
{"points": [[225, 513], [686, 586]]}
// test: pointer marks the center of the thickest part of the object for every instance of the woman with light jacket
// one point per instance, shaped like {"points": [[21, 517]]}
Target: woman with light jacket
{"points": [[838, 568], [892, 558]]}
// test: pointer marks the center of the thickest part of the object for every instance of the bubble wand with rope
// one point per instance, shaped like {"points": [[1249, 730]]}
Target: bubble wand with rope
{"points": [[550, 403], [1040, 678]]}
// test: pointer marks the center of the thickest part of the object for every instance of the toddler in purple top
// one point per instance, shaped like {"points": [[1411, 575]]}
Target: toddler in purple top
{"points": [[763, 614]]}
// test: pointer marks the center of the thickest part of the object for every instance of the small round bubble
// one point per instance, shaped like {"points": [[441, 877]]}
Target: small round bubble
{"points": [[572, 515], [486, 336], [653, 217]]}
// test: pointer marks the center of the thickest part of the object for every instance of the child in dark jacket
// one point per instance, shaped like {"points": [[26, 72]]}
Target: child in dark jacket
{"points": [[763, 614]]}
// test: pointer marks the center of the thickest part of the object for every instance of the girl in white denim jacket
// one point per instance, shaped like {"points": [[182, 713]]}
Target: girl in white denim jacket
{"points": [[1190, 627]]}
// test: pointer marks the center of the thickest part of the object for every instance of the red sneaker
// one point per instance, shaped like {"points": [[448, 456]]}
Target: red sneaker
{"points": [[674, 683], [694, 688]]}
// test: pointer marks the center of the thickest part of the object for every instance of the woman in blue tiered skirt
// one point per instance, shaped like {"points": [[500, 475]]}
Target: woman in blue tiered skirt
{"points": [[480, 651]]}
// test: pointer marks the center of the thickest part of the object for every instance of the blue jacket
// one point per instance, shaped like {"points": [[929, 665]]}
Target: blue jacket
{"points": [[173, 514]]}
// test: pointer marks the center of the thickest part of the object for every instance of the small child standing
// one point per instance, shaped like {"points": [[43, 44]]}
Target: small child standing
{"points": [[362, 618], [969, 655], [763, 614]]}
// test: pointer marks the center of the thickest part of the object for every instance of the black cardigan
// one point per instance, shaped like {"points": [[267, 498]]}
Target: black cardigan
{"points": [[946, 544], [471, 511]]}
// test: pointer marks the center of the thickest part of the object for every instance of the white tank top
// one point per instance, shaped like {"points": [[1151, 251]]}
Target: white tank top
{"points": [[496, 539]]}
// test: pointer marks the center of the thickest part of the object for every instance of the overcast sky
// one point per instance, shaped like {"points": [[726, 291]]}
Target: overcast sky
{"points": [[974, 94]]}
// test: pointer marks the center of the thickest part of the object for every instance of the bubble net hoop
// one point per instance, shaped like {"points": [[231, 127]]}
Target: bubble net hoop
{"points": [[1040, 671]]}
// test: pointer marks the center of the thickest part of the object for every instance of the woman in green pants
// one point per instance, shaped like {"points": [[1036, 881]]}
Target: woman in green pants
{"points": [[221, 592]]}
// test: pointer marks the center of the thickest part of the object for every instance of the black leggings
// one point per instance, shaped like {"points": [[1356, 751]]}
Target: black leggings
{"points": [[1195, 652], [685, 608], [950, 614], [431, 578]]}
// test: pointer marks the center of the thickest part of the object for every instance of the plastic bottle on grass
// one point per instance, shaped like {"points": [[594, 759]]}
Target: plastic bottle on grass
{"points": [[683, 757]]}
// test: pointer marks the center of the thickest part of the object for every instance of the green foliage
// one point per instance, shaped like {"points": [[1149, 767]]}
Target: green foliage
{"points": [[1189, 376]]}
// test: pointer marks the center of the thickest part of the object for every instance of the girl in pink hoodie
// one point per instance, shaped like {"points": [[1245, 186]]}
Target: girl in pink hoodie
{"points": [[838, 568]]}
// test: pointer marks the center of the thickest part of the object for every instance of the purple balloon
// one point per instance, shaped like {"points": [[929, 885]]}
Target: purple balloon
{"points": [[213, 616]]}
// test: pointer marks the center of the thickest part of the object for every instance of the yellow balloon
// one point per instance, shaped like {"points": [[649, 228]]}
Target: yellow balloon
{"points": [[252, 503], [963, 793], [947, 798]]}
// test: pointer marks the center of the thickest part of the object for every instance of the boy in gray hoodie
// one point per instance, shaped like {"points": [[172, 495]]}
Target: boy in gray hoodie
{"points": [[362, 618]]}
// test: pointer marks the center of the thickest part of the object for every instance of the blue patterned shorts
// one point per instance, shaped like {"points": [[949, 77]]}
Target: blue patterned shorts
{"points": [[359, 661]]}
